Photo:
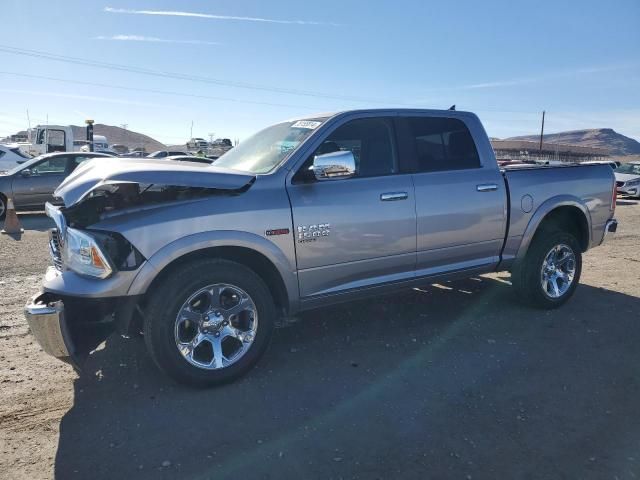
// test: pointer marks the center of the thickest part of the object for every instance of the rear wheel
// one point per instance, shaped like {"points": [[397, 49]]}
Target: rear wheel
{"points": [[549, 274], [209, 322]]}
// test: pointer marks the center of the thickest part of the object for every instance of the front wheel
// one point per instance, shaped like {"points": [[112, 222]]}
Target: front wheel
{"points": [[209, 322], [3, 207], [549, 273]]}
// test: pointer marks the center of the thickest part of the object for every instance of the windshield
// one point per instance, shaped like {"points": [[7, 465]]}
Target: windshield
{"points": [[265, 150], [19, 152], [632, 168]]}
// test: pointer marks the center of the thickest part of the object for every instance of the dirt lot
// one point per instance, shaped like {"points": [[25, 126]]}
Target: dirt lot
{"points": [[450, 381]]}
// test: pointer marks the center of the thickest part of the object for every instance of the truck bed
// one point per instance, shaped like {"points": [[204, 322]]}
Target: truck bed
{"points": [[531, 188]]}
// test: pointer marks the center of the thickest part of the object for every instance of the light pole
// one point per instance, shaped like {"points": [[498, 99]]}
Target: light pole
{"points": [[126, 137], [89, 123]]}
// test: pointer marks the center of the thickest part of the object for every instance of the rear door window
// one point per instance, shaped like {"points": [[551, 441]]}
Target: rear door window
{"points": [[77, 160], [438, 144]]}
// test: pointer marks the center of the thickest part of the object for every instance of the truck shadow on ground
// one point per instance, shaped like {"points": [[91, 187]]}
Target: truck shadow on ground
{"points": [[451, 380], [35, 221]]}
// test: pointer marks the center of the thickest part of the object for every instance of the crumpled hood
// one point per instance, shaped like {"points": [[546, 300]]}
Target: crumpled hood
{"points": [[104, 171], [626, 177]]}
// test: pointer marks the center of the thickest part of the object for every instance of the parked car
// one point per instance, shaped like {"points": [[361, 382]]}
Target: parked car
{"points": [[10, 155], [134, 154], [32, 183], [120, 148], [306, 213], [628, 179], [196, 144], [165, 153], [189, 158], [108, 151]]}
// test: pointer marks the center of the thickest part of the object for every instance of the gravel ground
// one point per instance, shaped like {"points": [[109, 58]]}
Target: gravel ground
{"points": [[446, 381]]}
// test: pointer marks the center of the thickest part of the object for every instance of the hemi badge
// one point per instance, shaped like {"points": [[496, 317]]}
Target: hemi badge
{"points": [[279, 231]]}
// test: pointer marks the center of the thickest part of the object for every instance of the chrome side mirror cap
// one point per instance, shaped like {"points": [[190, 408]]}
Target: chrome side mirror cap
{"points": [[334, 165]]}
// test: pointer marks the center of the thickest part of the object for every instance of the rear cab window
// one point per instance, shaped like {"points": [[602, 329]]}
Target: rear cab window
{"points": [[436, 144]]}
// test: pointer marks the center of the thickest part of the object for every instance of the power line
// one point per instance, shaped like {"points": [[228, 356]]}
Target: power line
{"points": [[150, 90], [178, 76], [210, 97]]}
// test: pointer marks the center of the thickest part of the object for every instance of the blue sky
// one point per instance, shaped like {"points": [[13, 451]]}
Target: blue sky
{"points": [[262, 62]]}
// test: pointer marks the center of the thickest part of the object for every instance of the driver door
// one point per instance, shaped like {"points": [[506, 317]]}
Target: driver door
{"points": [[36, 188], [354, 232]]}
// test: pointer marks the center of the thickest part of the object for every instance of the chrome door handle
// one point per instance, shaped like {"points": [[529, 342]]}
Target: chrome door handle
{"points": [[392, 196], [487, 187]]}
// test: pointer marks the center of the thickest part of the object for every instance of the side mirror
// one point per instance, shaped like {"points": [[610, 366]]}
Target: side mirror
{"points": [[332, 165], [26, 172]]}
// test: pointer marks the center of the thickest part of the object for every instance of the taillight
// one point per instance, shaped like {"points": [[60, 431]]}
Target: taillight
{"points": [[614, 196]]}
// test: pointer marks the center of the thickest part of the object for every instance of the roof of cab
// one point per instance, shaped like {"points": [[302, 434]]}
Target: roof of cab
{"points": [[403, 110]]}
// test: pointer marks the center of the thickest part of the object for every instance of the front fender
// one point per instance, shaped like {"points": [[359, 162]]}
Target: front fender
{"points": [[218, 238], [543, 210]]}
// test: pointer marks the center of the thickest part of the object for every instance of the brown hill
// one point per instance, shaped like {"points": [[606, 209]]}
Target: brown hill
{"points": [[118, 135], [607, 138]]}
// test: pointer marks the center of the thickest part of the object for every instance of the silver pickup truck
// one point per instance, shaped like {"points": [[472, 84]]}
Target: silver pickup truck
{"points": [[205, 260]]}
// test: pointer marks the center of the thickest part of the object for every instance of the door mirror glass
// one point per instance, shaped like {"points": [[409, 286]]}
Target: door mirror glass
{"points": [[332, 165], [26, 172]]}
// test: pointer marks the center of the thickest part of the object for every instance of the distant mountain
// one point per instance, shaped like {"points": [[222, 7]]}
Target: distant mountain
{"points": [[117, 135], [607, 138]]}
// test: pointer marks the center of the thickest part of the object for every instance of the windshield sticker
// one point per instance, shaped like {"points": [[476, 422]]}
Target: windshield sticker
{"points": [[310, 124], [287, 146]]}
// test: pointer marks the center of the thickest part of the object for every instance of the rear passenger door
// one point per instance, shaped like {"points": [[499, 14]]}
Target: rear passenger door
{"points": [[366, 224], [460, 197]]}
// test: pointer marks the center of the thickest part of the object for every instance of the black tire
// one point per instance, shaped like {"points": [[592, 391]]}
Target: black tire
{"points": [[166, 301], [526, 275], [3, 206]]}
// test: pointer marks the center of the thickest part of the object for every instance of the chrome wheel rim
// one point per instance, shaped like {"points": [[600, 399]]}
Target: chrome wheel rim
{"points": [[216, 326], [558, 271], [2, 207]]}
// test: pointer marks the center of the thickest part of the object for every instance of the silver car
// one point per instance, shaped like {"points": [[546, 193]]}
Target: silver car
{"points": [[32, 183]]}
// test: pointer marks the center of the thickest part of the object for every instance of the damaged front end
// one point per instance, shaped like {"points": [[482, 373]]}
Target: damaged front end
{"points": [[85, 293]]}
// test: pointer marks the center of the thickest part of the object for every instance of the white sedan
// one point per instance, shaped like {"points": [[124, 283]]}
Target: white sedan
{"points": [[10, 156], [628, 179]]}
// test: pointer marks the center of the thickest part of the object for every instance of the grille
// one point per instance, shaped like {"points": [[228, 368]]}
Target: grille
{"points": [[619, 184], [55, 248]]}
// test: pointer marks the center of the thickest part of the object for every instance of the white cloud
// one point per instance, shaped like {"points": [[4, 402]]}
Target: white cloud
{"points": [[215, 17], [141, 38], [78, 97], [549, 76]]}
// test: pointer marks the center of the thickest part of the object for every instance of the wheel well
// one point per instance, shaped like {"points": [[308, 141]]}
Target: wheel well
{"points": [[570, 219], [252, 259]]}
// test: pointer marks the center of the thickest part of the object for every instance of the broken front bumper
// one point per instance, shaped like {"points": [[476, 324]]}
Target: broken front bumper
{"points": [[70, 328], [46, 318]]}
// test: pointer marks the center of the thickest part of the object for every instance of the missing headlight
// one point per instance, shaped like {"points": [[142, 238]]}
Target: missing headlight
{"points": [[121, 252]]}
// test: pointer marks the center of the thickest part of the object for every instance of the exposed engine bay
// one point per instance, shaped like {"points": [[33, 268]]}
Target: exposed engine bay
{"points": [[110, 199]]}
